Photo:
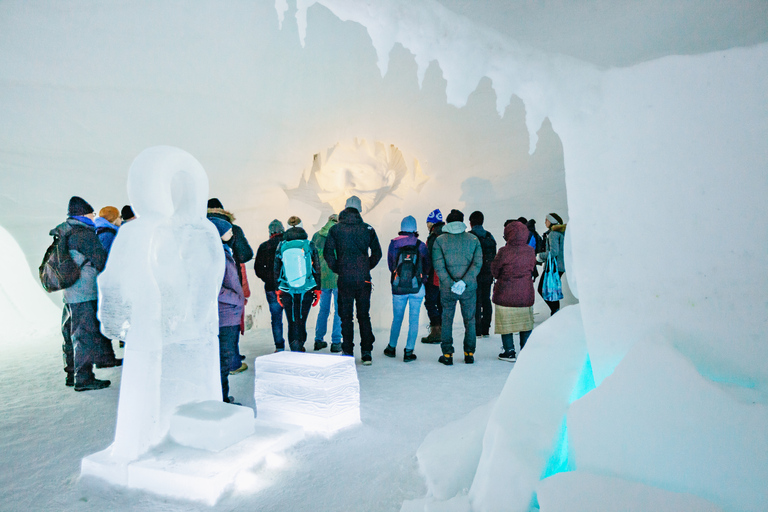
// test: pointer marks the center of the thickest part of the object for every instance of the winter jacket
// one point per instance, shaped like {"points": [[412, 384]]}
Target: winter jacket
{"points": [[106, 231], [328, 280], [241, 249], [231, 298], [404, 240], [297, 233], [513, 269], [488, 245], [86, 250], [457, 256], [436, 231], [554, 241], [352, 249], [265, 262]]}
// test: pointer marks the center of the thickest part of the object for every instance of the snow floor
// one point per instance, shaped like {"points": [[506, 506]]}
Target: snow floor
{"points": [[47, 428]]}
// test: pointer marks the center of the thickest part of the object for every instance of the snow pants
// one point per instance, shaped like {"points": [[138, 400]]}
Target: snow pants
{"points": [[349, 298]]}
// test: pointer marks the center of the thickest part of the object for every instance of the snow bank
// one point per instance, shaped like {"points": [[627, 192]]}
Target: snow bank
{"points": [[580, 491], [657, 420], [25, 310]]}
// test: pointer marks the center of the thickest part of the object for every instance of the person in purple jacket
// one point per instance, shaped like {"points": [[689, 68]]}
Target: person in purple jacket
{"points": [[410, 265], [231, 304], [513, 292]]}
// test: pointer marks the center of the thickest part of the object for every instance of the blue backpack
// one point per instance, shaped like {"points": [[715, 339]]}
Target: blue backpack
{"points": [[296, 275]]}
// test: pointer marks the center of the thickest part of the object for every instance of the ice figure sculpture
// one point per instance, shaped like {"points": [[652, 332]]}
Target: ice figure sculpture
{"points": [[159, 293], [318, 392]]}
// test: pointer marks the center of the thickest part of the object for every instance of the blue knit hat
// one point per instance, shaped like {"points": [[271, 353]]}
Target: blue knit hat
{"points": [[221, 225], [408, 225], [435, 216]]}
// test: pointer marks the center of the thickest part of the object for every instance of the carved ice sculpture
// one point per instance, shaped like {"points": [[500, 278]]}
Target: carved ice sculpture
{"points": [[318, 392], [159, 293]]}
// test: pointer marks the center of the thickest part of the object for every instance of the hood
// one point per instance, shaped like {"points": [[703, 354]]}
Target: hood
{"points": [[516, 233], [350, 216], [328, 225], [101, 222], [480, 230], [455, 228], [295, 233], [558, 227], [221, 213]]}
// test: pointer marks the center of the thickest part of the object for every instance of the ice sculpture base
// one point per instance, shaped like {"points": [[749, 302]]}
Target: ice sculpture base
{"points": [[196, 474], [211, 425], [319, 392]]}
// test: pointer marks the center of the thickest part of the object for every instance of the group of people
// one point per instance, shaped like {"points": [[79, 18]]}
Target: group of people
{"points": [[454, 265]]}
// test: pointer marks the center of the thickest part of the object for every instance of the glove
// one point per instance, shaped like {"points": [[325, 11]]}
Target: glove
{"points": [[280, 298], [459, 287], [317, 297]]}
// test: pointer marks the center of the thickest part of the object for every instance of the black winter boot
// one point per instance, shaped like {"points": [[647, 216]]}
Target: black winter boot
{"points": [[409, 356]]}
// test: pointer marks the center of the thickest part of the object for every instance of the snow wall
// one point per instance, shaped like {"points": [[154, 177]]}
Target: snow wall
{"points": [[666, 183]]}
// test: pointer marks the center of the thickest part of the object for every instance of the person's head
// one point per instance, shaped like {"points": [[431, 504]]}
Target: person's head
{"points": [[294, 221], [408, 225], [275, 227], [334, 217], [223, 227], [455, 216], [553, 219], [476, 219], [110, 214], [126, 213], [215, 203], [523, 220], [354, 202], [434, 217], [79, 207]]}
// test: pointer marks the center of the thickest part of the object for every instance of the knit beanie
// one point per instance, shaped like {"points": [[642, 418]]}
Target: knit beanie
{"points": [[222, 226], [127, 212], [408, 225], [215, 203], [435, 216], [294, 221], [109, 213], [78, 206], [455, 216], [477, 218], [354, 202], [554, 218], [275, 227]]}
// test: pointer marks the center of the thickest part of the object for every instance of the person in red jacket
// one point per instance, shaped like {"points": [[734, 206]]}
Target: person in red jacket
{"points": [[513, 292]]}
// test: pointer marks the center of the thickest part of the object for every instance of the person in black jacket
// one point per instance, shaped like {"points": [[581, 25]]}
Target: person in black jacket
{"points": [[80, 326], [484, 308], [265, 270], [351, 250], [432, 287]]}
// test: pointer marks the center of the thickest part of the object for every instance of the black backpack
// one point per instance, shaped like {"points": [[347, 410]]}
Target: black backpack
{"points": [[407, 277], [541, 246], [58, 270]]}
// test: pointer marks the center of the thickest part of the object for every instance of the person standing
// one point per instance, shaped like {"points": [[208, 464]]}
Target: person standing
{"points": [[432, 286], [242, 254], [328, 292], [484, 309], [80, 325], [352, 250], [553, 241], [409, 265], [231, 303], [265, 270], [107, 224], [457, 258], [297, 270], [126, 214], [513, 294]]}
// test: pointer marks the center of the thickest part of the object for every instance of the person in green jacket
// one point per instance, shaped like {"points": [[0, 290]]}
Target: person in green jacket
{"points": [[329, 289]]}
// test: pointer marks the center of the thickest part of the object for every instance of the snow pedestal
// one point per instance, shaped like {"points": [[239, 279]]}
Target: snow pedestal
{"points": [[319, 392]]}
